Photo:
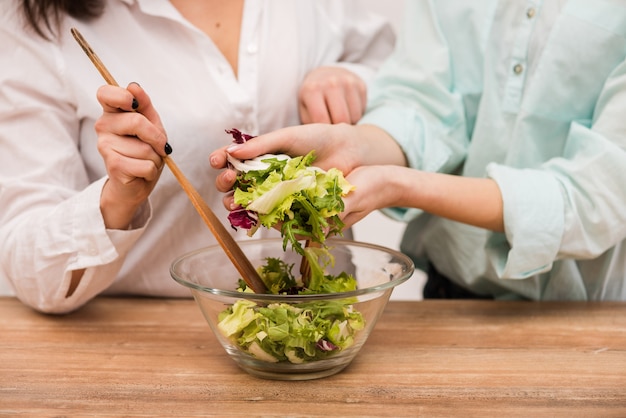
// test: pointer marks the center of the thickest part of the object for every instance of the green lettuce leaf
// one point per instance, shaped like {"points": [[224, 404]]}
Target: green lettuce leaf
{"points": [[295, 333], [305, 200]]}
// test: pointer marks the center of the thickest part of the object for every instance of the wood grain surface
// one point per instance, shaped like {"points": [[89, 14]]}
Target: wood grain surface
{"points": [[158, 357]]}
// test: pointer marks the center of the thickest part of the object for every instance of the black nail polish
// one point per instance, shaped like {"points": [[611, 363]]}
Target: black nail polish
{"points": [[168, 148], [135, 104]]}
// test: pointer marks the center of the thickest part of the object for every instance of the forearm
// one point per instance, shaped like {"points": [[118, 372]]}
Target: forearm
{"points": [[473, 201]]}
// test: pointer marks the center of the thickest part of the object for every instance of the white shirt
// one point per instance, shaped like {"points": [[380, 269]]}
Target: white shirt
{"points": [[531, 93], [51, 173]]}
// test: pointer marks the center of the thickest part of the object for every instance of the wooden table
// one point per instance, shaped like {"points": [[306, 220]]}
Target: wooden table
{"points": [[155, 357]]}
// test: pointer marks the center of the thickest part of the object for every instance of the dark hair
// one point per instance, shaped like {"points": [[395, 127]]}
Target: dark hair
{"points": [[44, 16]]}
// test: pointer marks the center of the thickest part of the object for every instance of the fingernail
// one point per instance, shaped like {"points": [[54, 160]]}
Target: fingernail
{"points": [[168, 148], [134, 82], [135, 104], [233, 147]]}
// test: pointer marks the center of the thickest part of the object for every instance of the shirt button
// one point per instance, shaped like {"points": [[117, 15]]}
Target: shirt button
{"points": [[252, 49], [530, 13], [518, 68]]}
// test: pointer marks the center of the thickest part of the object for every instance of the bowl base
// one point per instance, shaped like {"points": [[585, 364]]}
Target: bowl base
{"points": [[306, 375]]}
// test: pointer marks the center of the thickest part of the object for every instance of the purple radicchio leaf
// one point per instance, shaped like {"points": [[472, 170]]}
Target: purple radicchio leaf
{"points": [[325, 345], [238, 136], [242, 218]]}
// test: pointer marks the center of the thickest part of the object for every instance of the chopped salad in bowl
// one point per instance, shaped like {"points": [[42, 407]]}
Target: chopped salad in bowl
{"points": [[302, 327]]}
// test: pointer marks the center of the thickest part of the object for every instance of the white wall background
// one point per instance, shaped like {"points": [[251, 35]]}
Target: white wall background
{"points": [[376, 228]]}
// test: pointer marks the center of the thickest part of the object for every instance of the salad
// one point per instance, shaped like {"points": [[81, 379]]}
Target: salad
{"points": [[296, 333], [306, 202], [279, 190]]}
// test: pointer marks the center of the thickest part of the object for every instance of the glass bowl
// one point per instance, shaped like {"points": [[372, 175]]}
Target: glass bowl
{"points": [[213, 281]]}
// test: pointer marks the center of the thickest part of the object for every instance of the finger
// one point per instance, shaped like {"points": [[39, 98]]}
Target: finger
{"points": [[140, 168], [117, 100], [277, 142], [346, 101], [139, 151], [305, 117], [356, 99], [351, 214], [225, 181], [337, 105], [130, 124], [144, 104], [114, 99], [124, 169], [313, 106], [218, 158], [229, 202], [351, 219], [130, 156]]}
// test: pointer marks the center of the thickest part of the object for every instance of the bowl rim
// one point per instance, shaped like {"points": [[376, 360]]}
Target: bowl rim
{"points": [[292, 298]]}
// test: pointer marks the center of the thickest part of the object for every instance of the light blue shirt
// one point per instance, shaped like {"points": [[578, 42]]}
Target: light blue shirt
{"points": [[533, 95]]}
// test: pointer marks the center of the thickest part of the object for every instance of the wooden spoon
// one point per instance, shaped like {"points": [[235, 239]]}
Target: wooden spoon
{"points": [[228, 243]]}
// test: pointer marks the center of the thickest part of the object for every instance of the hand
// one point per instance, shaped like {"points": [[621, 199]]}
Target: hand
{"points": [[332, 95], [375, 188], [341, 146], [334, 146], [132, 141]]}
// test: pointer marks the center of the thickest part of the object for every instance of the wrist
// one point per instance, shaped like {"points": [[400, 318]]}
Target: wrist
{"points": [[116, 214], [378, 147]]}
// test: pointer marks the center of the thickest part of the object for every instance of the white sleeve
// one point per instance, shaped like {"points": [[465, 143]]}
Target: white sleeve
{"points": [[50, 220], [368, 38], [41, 248]]}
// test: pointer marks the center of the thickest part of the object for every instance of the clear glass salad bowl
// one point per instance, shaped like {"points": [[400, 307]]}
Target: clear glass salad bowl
{"points": [[292, 337]]}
